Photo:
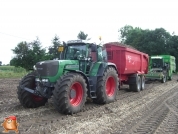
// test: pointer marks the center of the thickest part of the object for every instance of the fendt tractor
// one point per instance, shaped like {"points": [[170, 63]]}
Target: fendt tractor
{"points": [[82, 71], [161, 67]]}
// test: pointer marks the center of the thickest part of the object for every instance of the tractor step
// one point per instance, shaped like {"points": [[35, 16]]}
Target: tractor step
{"points": [[92, 93]]}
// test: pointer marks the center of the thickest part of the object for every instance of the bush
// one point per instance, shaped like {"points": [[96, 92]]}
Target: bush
{"points": [[11, 72]]}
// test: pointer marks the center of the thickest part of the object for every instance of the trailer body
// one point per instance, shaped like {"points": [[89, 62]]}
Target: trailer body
{"points": [[129, 62]]}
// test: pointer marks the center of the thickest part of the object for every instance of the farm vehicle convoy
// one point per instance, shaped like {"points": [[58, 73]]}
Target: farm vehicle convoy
{"points": [[83, 70]]}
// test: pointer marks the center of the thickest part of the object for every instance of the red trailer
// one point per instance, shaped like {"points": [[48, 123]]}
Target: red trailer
{"points": [[132, 65]]}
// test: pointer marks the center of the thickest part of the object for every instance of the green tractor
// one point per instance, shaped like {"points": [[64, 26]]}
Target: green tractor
{"points": [[161, 67], [82, 72]]}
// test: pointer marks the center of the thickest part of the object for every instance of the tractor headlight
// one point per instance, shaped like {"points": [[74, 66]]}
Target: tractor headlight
{"points": [[42, 80]]}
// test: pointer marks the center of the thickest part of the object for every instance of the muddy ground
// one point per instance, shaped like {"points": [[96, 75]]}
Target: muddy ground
{"points": [[152, 111]]}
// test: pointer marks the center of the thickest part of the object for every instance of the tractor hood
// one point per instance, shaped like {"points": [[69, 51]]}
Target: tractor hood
{"points": [[55, 68], [47, 68]]}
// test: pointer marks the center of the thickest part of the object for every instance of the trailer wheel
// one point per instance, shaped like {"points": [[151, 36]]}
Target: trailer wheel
{"points": [[142, 82], [107, 87], [29, 100], [163, 79], [70, 92], [136, 87]]}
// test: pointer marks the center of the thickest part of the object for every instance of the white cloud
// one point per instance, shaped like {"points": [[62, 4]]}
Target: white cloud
{"points": [[25, 20]]}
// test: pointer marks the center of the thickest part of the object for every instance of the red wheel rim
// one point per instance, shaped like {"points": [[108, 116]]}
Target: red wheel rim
{"points": [[76, 94], [110, 86], [36, 98]]}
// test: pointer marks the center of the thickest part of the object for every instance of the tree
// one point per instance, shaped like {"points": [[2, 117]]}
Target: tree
{"points": [[123, 32], [149, 41], [53, 50], [28, 54], [82, 36]]}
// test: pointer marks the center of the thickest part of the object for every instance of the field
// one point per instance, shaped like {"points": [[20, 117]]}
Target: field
{"points": [[153, 111], [11, 72]]}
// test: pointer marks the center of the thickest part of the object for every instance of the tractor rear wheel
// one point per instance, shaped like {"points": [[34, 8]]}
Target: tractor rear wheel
{"points": [[70, 92], [27, 99], [107, 87]]}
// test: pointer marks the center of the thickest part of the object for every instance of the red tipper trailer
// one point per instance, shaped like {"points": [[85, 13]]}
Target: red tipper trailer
{"points": [[132, 65]]}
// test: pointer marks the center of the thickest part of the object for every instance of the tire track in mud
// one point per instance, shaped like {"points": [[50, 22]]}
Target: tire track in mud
{"points": [[160, 119], [127, 124], [170, 123]]}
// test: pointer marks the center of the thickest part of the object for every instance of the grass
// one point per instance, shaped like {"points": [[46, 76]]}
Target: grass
{"points": [[12, 72]]}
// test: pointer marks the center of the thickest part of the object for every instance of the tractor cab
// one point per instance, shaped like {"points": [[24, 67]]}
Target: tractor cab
{"points": [[158, 63], [85, 52]]}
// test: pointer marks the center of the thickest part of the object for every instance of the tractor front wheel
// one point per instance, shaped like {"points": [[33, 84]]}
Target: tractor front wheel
{"points": [[70, 92], [26, 98], [107, 87]]}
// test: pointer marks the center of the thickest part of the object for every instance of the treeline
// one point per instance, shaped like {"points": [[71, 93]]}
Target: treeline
{"points": [[152, 42]]}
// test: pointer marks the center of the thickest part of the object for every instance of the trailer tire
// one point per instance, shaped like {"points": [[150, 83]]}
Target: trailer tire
{"points": [[142, 82], [70, 92], [107, 87], [136, 87], [163, 80], [27, 99]]}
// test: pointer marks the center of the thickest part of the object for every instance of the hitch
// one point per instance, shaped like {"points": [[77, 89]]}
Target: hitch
{"points": [[42, 92], [30, 90]]}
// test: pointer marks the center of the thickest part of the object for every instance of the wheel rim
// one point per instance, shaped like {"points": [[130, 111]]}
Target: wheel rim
{"points": [[164, 79], [76, 94], [139, 83], [36, 98], [110, 86], [143, 82]]}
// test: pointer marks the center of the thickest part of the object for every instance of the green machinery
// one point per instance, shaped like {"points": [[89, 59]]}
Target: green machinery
{"points": [[161, 67], [82, 71]]}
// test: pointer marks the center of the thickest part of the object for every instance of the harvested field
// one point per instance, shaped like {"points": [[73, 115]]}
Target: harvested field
{"points": [[154, 110]]}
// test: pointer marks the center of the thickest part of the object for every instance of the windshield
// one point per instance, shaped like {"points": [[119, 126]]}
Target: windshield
{"points": [[157, 63], [73, 52]]}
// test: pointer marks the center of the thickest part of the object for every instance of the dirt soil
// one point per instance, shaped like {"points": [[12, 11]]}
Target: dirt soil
{"points": [[152, 111]]}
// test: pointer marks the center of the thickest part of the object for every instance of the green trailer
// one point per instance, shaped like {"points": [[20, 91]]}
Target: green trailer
{"points": [[161, 67]]}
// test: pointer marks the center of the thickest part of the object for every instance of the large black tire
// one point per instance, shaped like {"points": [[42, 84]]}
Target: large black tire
{"points": [[70, 92], [142, 82], [136, 87], [27, 99], [107, 87]]}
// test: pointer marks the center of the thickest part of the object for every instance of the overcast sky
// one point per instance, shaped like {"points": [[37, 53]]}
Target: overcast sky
{"points": [[24, 20]]}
